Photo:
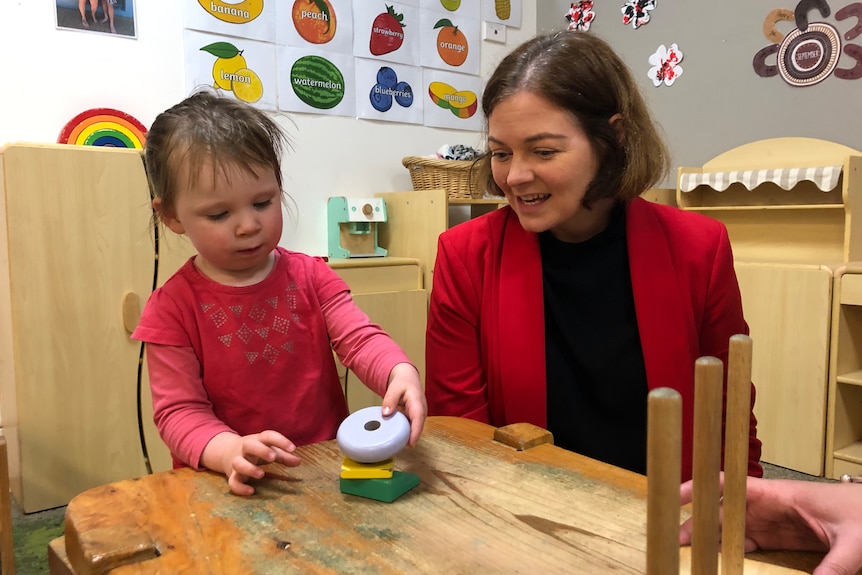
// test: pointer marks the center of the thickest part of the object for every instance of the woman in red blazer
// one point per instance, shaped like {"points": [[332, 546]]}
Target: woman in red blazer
{"points": [[566, 307]]}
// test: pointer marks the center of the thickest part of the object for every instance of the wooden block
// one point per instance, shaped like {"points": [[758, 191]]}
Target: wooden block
{"points": [[355, 470], [523, 436], [386, 490]]}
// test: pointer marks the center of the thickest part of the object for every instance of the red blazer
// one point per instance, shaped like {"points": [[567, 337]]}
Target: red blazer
{"points": [[485, 345]]}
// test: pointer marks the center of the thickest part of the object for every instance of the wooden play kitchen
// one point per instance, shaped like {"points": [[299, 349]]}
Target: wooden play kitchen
{"points": [[482, 506]]}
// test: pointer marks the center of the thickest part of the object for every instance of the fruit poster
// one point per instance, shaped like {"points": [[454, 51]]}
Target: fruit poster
{"points": [[506, 12], [238, 67], [452, 100], [315, 83], [461, 8], [387, 31], [323, 26], [450, 42], [254, 19], [388, 91], [408, 61]]}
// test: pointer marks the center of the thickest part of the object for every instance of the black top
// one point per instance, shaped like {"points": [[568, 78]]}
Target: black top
{"points": [[597, 387]]}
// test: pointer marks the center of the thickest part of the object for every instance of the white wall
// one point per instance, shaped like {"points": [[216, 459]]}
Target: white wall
{"points": [[51, 75]]}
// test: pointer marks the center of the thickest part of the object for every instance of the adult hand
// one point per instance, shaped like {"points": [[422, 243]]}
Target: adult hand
{"points": [[404, 391], [800, 516]]}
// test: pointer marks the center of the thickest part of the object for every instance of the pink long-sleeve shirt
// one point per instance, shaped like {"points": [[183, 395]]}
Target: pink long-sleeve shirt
{"points": [[246, 359]]}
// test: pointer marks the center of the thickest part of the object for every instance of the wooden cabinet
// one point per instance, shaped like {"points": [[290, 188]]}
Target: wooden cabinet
{"points": [[390, 291], [844, 437], [76, 239], [787, 205]]}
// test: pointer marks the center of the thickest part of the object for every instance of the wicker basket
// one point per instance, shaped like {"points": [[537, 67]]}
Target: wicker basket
{"points": [[459, 178]]}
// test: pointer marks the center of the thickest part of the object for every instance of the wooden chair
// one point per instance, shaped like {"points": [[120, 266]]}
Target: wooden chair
{"points": [[663, 467], [7, 547]]}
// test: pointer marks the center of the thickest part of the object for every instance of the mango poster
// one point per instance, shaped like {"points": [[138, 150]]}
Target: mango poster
{"points": [[450, 42], [451, 100], [387, 31], [236, 67], [321, 25], [315, 83], [253, 19]]}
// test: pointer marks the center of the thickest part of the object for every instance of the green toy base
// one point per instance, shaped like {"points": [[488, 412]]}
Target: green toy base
{"points": [[386, 490]]}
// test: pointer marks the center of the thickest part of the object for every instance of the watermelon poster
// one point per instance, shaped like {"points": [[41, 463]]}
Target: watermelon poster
{"points": [[451, 100], [315, 83], [385, 30], [450, 42], [321, 25], [237, 67], [389, 92], [252, 19]]}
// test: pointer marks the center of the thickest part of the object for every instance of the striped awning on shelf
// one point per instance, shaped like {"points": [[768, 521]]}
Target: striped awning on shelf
{"points": [[824, 177]]}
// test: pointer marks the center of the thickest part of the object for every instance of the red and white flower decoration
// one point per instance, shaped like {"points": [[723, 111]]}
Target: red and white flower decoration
{"points": [[665, 65], [637, 12], [580, 15]]}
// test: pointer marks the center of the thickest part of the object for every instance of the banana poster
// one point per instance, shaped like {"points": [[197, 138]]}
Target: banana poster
{"points": [[410, 61]]}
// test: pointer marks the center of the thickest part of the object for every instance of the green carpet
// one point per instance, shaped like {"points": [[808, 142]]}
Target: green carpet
{"points": [[31, 534]]}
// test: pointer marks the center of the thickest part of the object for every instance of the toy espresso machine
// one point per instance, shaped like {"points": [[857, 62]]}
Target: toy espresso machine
{"points": [[352, 227]]}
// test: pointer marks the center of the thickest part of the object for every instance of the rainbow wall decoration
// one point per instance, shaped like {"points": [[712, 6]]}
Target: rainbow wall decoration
{"points": [[104, 127]]}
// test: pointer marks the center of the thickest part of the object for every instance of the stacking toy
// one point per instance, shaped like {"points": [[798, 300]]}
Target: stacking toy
{"points": [[370, 442]]}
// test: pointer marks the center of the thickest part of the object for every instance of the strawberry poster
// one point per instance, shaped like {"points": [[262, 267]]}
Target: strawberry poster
{"points": [[315, 83], [237, 67], [452, 100], [506, 12], [387, 31], [388, 91], [253, 19], [450, 42], [461, 8], [321, 25]]}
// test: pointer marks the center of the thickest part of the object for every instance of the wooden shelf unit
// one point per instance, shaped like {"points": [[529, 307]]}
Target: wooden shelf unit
{"points": [[787, 247], [844, 429], [390, 291]]}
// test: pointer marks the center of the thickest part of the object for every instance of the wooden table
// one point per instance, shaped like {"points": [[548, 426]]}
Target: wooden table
{"points": [[481, 507]]}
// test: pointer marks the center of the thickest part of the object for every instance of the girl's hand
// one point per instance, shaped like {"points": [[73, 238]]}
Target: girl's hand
{"points": [[240, 457], [404, 392]]}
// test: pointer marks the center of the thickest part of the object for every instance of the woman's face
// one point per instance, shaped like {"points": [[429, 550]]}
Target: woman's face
{"points": [[543, 162]]}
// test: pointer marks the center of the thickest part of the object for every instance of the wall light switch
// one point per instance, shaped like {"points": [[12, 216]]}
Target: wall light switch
{"points": [[493, 32]]}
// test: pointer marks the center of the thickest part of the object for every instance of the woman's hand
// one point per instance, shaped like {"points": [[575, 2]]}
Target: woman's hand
{"points": [[800, 516]]}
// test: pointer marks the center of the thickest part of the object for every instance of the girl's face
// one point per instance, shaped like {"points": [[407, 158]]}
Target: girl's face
{"points": [[234, 220], [542, 160]]}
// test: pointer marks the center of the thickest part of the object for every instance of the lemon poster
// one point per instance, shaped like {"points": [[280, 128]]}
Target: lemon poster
{"points": [[237, 67], [315, 83], [322, 25], [386, 31], [388, 91], [451, 100], [254, 19], [449, 42]]}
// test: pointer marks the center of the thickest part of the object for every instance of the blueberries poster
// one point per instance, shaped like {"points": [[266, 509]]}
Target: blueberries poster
{"points": [[388, 91]]}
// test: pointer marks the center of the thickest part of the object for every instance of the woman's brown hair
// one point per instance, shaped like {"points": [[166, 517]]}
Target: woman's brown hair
{"points": [[581, 74]]}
